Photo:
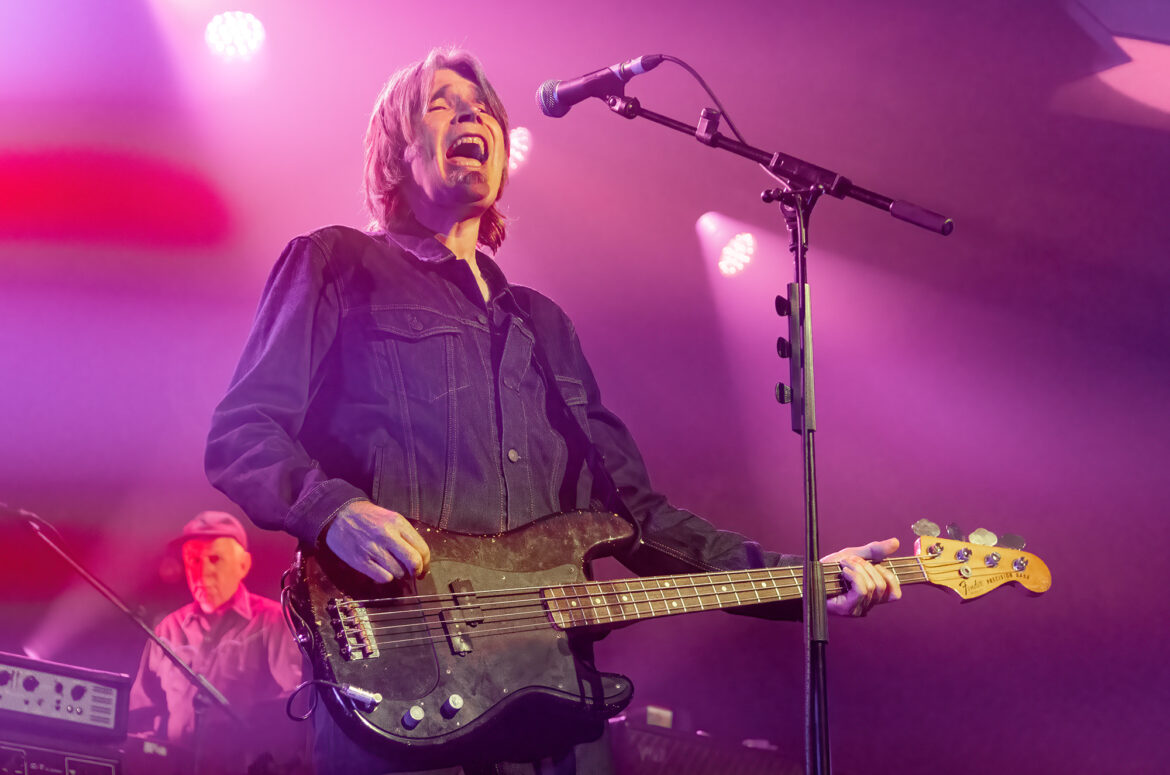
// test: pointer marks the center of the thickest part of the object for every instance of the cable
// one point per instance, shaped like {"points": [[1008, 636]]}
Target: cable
{"points": [[363, 697], [710, 93], [730, 124]]}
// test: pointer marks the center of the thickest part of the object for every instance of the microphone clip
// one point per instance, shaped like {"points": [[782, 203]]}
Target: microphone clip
{"points": [[627, 107], [708, 127]]}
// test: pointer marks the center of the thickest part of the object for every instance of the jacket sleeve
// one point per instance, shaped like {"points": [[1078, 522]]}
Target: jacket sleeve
{"points": [[671, 540], [253, 454]]}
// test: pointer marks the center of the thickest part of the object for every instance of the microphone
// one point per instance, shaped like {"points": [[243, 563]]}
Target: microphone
{"points": [[554, 98]]}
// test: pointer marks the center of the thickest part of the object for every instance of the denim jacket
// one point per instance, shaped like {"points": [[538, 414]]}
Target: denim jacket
{"points": [[375, 370]]}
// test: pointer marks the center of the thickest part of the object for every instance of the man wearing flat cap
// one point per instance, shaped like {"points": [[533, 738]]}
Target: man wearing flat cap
{"points": [[234, 638]]}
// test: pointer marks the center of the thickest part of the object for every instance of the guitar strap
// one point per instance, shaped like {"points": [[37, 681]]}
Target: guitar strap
{"points": [[576, 437]]}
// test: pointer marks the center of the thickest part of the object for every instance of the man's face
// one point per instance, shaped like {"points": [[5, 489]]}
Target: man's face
{"points": [[458, 157], [215, 567]]}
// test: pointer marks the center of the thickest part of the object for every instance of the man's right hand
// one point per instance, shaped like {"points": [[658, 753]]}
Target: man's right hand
{"points": [[378, 542]]}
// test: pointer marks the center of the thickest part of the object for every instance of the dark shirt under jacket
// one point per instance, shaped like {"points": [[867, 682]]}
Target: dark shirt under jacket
{"points": [[374, 369]]}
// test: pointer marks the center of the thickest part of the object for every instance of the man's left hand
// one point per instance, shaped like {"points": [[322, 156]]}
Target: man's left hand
{"points": [[869, 583]]}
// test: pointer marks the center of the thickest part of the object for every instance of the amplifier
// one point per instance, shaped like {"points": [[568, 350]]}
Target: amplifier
{"points": [[21, 757], [62, 700]]}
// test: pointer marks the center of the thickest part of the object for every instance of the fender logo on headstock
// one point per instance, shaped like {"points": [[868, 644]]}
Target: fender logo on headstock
{"points": [[975, 586]]}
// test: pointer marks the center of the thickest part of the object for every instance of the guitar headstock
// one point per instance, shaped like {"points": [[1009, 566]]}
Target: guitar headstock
{"points": [[972, 569]]}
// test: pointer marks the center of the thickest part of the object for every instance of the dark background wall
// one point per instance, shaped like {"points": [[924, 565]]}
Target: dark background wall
{"points": [[1011, 376]]}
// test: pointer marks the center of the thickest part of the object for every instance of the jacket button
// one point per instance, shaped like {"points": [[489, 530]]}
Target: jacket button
{"points": [[482, 319], [513, 455], [415, 323]]}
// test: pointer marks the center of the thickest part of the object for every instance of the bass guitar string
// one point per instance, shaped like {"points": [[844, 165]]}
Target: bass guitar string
{"points": [[540, 616], [540, 619], [796, 571], [696, 590], [539, 622]]}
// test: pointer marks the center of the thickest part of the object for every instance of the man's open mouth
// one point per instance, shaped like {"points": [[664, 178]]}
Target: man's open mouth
{"points": [[468, 147]]}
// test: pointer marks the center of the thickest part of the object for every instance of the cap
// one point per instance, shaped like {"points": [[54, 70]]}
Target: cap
{"points": [[211, 524]]}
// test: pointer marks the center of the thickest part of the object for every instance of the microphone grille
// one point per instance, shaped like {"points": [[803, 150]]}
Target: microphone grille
{"points": [[546, 100]]}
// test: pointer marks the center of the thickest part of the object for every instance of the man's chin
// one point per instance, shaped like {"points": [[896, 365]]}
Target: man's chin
{"points": [[470, 185]]}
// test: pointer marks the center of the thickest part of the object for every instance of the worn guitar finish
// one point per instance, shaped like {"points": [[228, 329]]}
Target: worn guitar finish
{"points": [[475, 663], [516, 677]]}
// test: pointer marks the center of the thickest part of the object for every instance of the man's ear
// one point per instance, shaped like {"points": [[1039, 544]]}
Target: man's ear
{"points": [[245, 561]]}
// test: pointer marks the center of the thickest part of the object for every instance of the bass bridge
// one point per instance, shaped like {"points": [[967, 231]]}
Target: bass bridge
{"points": [[352, 627]]}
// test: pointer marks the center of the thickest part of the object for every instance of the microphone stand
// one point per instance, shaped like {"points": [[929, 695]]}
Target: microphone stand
{"points": [[207, 695], [805, 183]]}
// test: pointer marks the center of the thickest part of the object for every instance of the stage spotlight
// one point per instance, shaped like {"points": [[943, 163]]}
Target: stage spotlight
{"points": [[737, 253], [234, 35], [521, 142]]}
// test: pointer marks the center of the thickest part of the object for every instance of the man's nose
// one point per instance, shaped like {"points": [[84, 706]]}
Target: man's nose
{"points": [[467, 113]]}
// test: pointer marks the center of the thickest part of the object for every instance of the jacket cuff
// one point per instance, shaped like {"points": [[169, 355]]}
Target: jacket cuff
{"points": [[316, 509]]}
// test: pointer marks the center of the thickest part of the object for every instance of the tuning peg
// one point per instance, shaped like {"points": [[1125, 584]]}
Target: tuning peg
{"points": [[953, 532], [1012, 541], [983, 537], [924, 527]]}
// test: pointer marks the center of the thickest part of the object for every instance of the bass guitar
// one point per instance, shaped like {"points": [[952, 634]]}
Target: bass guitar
{"points": [[478, 661]]}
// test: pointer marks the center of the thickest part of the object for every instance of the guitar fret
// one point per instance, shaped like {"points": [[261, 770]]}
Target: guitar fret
{"points": [[678, 601], [726, 586], [715, 591], [646, 596], [593, 603], [617, 602], [605, 604], [572, 610], [629, 597]]}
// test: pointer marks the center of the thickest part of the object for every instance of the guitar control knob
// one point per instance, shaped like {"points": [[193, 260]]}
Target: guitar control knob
{"points": [[30, 683], [992, 559], [452, 706], [413, 717]]}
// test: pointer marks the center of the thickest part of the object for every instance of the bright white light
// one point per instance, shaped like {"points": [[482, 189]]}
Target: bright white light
{"points": [[234, 35], [521, 142], [737, 253]]}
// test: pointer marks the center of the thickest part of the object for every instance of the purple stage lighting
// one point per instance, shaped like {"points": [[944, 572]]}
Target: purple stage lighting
{"points": [[1145, 76], [521, 143], [234, 35], [737, 253]]}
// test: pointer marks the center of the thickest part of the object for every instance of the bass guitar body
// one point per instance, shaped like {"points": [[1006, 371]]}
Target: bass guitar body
{"points": [[465, 665]]}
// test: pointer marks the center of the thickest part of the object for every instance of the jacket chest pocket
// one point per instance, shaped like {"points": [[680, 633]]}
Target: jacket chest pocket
{"points": [[573, 392], [421, 353]]}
